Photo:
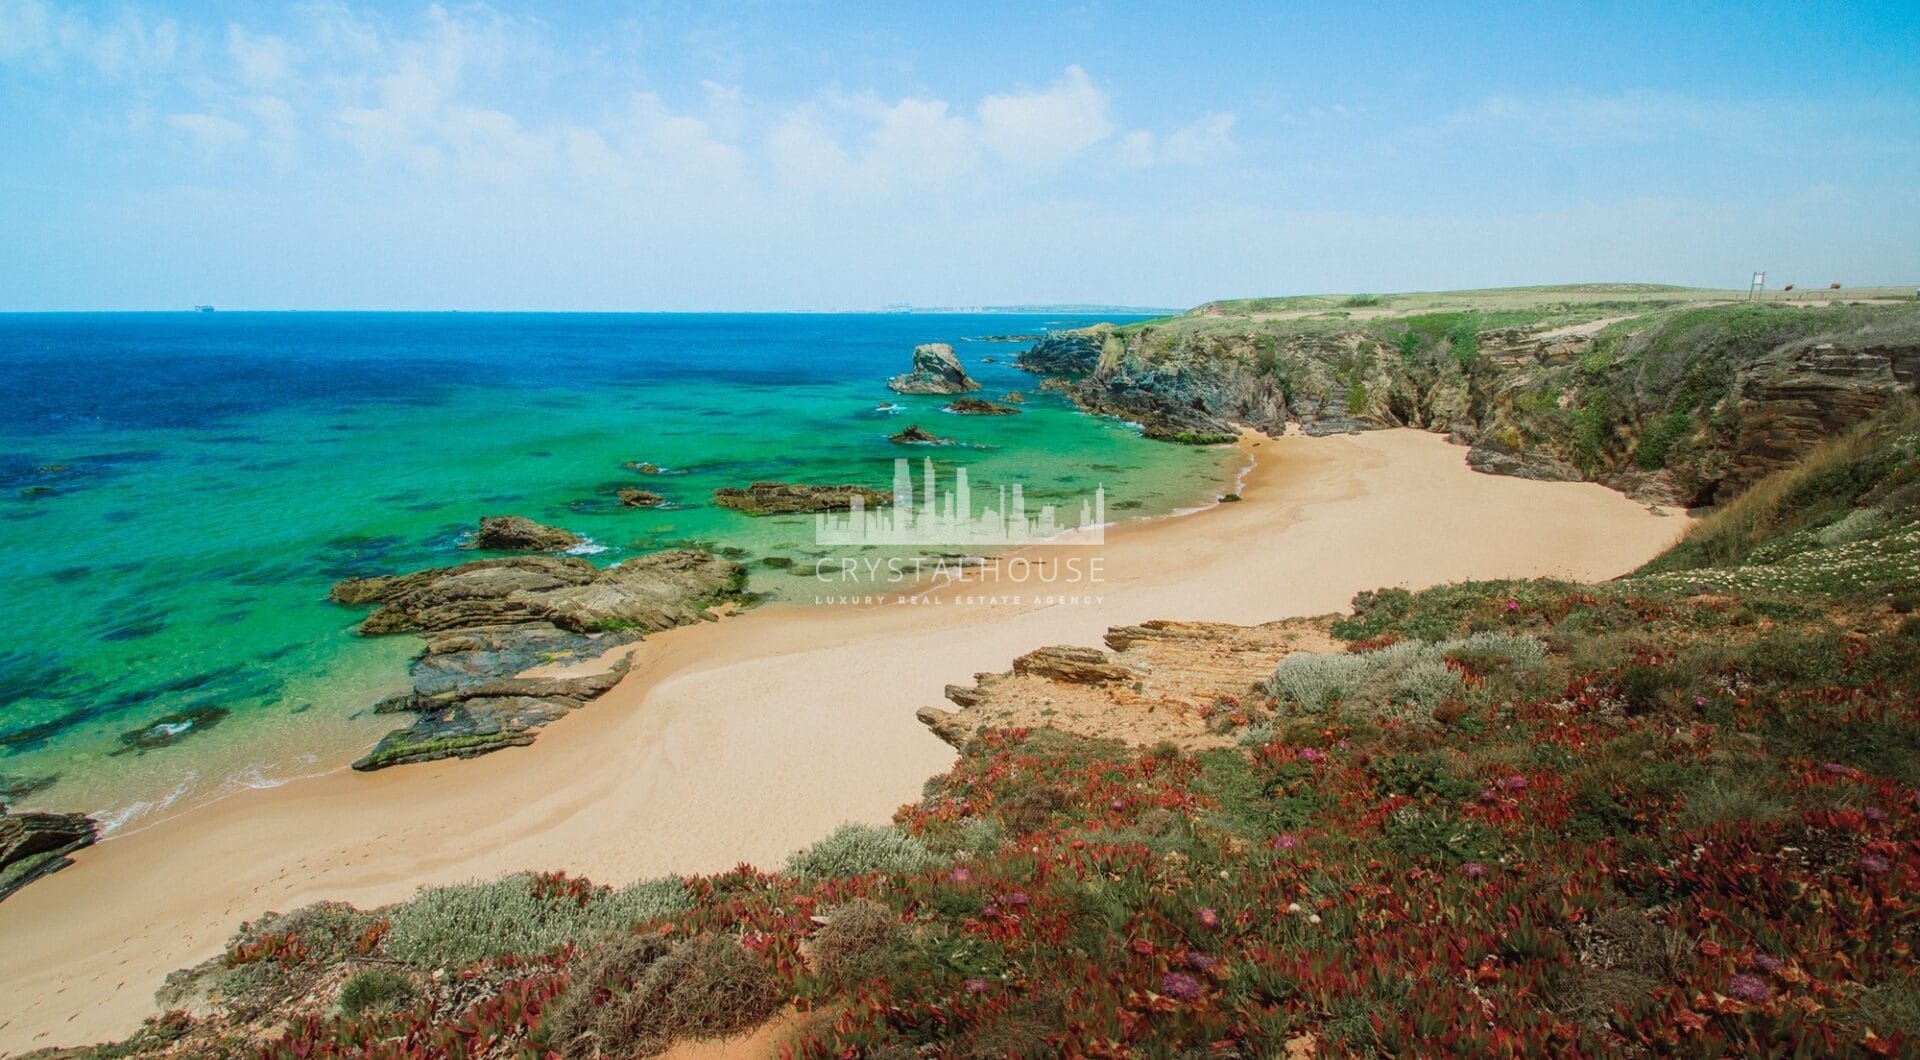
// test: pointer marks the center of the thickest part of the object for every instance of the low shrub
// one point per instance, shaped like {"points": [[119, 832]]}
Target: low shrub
{"points": [[859, 849], [518, 915], [856, 943], [374, 990], [634, 995]]}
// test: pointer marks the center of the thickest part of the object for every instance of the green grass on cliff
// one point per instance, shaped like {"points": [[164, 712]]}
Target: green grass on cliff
{"points": [[1846, 519]]}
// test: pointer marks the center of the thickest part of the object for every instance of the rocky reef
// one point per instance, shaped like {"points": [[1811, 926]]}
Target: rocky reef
{"points": [[1670, 402], [489, 622], [513, 533], [785, 498], [637, 498], [35, 844], [978, 407], [935, 371], [915, 435]]}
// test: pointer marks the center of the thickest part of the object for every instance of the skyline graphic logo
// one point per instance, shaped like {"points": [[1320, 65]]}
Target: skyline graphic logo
{"points": [[949, 519]]}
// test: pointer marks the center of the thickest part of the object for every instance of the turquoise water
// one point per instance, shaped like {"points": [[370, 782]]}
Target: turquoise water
{"points": [[178, 492]]}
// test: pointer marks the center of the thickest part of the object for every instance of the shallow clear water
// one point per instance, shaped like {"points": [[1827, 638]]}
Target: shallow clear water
{"points": [[178, 492]]}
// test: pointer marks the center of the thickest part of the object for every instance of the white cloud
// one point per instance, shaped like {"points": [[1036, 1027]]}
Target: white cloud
{"points": [[210, 132], [1046, 129], [127, 48], [1136, 149], [262, 61], [1204, 143], [25, 27], [921, 142], [803, 152], [1207, 141]]}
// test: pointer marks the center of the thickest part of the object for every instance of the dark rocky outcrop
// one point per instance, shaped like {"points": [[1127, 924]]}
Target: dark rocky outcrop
{"points": [[169, 729], [35, 844], [487, 623], [633, 498], [914, 435], [1494, 457], [1066, 352], [513, 533], [935, 371], [783, 498], [17, 786], [978, 407]]}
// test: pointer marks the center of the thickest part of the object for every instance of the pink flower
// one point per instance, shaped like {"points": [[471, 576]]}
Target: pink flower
{"points": [[960, 875], [1839, 770], [1016, 899], [1748, 988], [1875, 865], [1312, 754], [1699, 701], [977, 986], [1514, 782], [1874, 813], [1180, 986], [1474, 870], [1284, 841], [1117, 805], [1768, 963], [1200, 962], [1512, 606], [1207, 917]]}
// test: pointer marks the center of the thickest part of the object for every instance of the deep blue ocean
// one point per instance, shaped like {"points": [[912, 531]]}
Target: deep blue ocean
{"points": [[179, 490]]}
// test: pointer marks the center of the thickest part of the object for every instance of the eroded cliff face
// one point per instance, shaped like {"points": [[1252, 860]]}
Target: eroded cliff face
{"points": [[1678, 406]]}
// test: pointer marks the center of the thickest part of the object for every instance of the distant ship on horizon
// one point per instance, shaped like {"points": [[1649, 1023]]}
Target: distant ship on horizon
{"points": [[203, 309]]}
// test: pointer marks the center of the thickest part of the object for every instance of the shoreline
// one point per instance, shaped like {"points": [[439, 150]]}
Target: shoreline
{"points": [[744, 740]]}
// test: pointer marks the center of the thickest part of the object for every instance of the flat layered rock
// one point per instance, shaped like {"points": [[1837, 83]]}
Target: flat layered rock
{"points": [[785, 498], [1186, 682], [35, 844], [486, 624]]}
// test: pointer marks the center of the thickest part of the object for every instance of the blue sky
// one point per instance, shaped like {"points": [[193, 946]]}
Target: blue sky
{"points": [[814, 156]]}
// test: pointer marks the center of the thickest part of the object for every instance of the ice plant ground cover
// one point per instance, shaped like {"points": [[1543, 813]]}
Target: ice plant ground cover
{"points": [[1651, 817]]}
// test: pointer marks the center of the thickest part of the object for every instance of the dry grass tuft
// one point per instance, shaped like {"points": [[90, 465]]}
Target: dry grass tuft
{"points": [[635, 995]]}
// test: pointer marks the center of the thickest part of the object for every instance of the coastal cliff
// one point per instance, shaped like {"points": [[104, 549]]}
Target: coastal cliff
{"points": [[1666, 813], [1670, 401]]}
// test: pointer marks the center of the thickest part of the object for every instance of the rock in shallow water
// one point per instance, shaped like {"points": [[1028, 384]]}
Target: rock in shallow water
{"points": [[781, 498], [935, 371], [915, 435], [513, 533], [977, 407]]}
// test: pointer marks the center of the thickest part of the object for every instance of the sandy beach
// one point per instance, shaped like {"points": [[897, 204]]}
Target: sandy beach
{"points": [[745, 739]]}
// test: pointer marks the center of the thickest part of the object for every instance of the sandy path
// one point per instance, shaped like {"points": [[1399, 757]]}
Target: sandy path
{"points": [[748, 738]]}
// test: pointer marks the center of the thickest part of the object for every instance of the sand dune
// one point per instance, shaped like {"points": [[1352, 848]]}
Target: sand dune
{"points": [[745, 739]]}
